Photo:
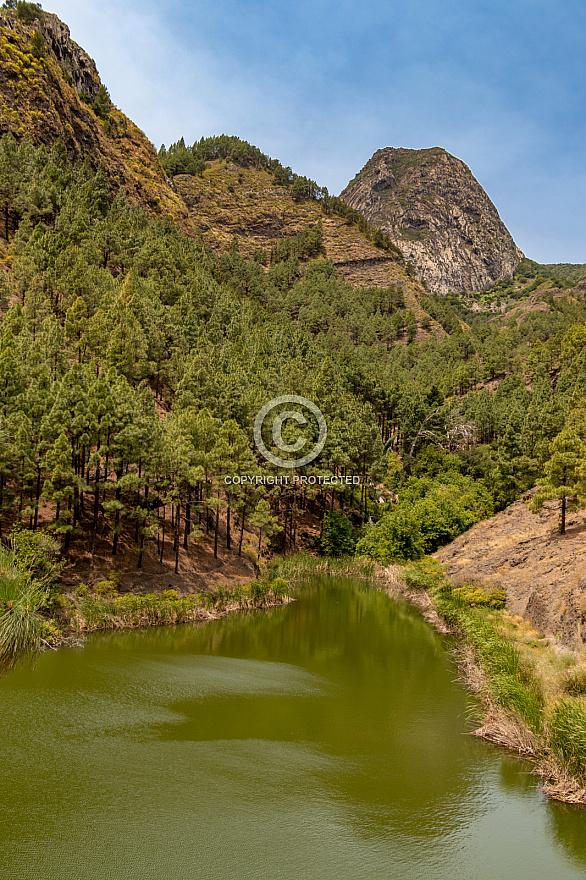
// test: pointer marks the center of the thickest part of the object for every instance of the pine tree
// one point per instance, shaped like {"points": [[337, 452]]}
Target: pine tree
{"points": [[263, 520], [509, 475], [60, 484], [563, 474]]}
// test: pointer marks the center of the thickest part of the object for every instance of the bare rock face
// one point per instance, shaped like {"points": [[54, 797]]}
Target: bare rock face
{"points": [[72, 58], [436, 212], [543, 572]]}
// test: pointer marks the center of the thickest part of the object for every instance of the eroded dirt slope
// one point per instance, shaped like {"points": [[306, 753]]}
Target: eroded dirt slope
{"points": [[543, 572]]}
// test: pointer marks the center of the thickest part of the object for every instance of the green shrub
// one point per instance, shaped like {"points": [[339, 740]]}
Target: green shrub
{"points": [[104, 588], [431, 512], [36, 553], [396, 535], [249, 551], [170, 594], [259, 592], [221, 598], [29, 12], [279, 588], [445, 608], [38, 45], [473, 595], [50, 632], [337, 534], [101, 105], [497, 599], [108, 588]]}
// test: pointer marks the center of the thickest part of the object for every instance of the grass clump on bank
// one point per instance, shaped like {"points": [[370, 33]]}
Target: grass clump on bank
{"points": [[544, 717], [303, 565], [28, 588], [104, 608], [22, 598], [511, 679], [567, 735], [575, 681]]}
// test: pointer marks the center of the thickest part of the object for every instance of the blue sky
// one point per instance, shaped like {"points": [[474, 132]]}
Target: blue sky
{"points": [[321, 85]]}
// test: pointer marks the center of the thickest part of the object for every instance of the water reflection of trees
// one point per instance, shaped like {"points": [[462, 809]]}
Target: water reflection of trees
{"points": [[391, 716]]}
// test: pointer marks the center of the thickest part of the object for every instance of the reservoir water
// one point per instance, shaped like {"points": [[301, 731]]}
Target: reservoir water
{"points": [[325, 740]]}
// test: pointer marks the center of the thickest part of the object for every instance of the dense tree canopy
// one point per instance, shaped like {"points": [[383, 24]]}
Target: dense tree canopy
{"points": [[133, 362]]}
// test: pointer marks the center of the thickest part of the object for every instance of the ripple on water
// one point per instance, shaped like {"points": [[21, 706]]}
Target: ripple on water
{"points": [[323, 743]]}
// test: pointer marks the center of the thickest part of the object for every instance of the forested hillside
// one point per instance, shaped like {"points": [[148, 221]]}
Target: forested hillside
{"points": [[133, 362], [135, 354], [241, 198]]}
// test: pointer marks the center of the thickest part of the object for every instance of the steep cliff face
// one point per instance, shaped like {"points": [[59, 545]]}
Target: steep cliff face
{"points": [[48, 90], [434, 209], [72, 58]]}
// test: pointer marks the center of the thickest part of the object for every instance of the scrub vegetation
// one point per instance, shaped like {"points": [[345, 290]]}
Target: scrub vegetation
{"points": [[105, 608]]}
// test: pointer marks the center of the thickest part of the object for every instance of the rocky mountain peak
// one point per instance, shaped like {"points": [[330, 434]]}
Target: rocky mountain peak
{"points": [[434, 209]]}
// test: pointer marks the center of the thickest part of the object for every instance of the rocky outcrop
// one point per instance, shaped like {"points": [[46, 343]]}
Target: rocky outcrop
{"points": [[75, 62], [433, 208]]}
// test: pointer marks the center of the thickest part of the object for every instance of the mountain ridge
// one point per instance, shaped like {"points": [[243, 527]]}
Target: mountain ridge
{"points": [[50, 90]]}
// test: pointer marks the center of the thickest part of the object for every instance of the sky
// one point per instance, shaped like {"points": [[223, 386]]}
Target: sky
{"points": [[320, 85]]}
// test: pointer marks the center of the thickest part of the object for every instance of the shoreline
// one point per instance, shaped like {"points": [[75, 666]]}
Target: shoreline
{"points": [[74, 616], [75, 636], [496, 724]]}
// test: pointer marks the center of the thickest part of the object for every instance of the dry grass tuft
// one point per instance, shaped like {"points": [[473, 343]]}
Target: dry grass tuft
{"points": [[561, 786], [510, 731]]}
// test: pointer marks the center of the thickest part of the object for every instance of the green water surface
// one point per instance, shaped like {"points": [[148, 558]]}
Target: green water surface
{"points": [[320, 741]]}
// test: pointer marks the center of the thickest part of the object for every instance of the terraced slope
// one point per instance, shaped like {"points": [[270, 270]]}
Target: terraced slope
{"points": [[229, 200]]}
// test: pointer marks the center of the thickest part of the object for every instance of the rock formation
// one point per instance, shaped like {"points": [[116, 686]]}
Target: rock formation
{"points": [[434, 209]]}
